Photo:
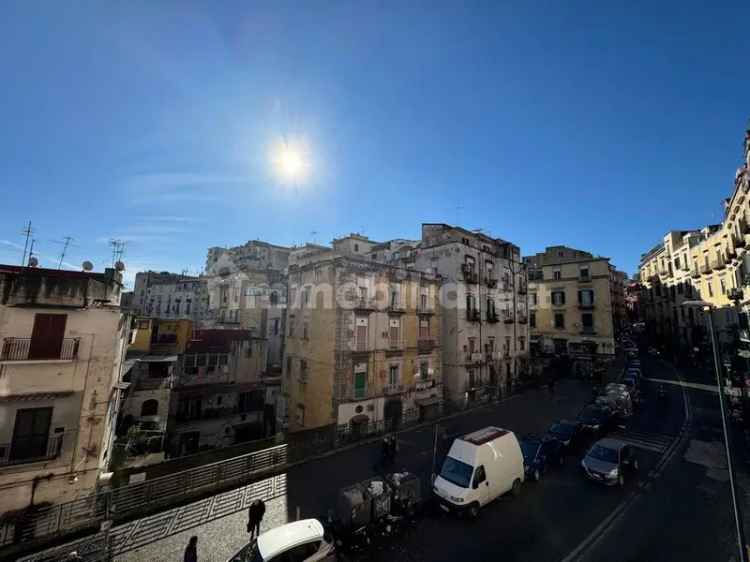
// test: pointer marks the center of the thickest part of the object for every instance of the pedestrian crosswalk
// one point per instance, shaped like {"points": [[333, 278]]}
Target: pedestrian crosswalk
{"points": [[655, 442]]}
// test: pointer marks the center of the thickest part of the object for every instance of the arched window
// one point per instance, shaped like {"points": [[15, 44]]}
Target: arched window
{"points": [[149, 408]]}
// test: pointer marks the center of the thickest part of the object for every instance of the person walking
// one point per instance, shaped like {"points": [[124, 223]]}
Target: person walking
{"points": [[255, 516], [191, 550]]}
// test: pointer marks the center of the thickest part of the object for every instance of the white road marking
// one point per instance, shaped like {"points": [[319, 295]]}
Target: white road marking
{"points": [[655, 442]]}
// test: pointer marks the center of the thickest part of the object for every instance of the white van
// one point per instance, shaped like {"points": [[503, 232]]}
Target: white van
{"points": [[479, 467]]}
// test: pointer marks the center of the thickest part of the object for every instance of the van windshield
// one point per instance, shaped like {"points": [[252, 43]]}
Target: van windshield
{"points": [[456, 472]]}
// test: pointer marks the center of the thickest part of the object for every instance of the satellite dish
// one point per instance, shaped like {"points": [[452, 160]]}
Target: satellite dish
{"points": [[87, 265], [33, 262], [119, 266]]}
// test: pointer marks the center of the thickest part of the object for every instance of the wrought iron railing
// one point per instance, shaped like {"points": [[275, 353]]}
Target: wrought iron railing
{"points": [[21, 349], [31, 449]]}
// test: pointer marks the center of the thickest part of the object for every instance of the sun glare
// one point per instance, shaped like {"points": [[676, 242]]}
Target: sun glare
{"points": [[290, 163]]}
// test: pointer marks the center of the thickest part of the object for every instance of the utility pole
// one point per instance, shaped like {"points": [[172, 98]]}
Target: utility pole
{"points": [[28, 231], [31, 252], [66, 243]]}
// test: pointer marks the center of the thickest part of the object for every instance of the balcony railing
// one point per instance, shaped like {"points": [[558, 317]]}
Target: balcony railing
{"points": [[392, 389], [492, 317], [153, 383], [508, 318], [21, 349], [704, 268], [469, 273], [695, 272], [491, 282], [522, 319], [425, 309], [366, 304], [31, 449], [396, 308], [425, 345], [395, 345], [590, 331], [718, 262], [474, 357], [472, 314]]}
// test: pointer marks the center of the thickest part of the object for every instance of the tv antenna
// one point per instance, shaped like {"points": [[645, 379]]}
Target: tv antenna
{"points": [[118, 249], [67, 242], [33, 261], [28, 231]]}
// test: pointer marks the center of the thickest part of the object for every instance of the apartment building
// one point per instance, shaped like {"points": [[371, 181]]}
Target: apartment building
{"points": [[192, 390], [485, 344], [168, 295], [570, 305], [62, 339], [247, 289], [363, 340], [617, 282], [710, 264]]}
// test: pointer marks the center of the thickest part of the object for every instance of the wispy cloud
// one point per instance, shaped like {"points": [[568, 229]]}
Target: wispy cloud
{"points": [[171, 187]]}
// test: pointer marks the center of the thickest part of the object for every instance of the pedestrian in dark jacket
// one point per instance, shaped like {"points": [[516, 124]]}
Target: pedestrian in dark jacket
{"points": [[191, 550], [254, 517]]}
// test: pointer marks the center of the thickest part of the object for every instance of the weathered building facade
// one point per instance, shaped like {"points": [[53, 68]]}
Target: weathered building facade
{"points": [[363, 341], [62, 340], [571, 308]]}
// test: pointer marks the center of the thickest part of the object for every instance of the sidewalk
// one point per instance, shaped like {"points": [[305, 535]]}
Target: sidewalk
{"points": [[311, 488]]}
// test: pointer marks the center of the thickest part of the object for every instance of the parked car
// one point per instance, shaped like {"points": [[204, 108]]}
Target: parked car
{"points": [[631, 383], [610, 462], [480, 467], [653, 351], [299, 541], [538, 454], [596, 419], [568, 433], [619, 402]]}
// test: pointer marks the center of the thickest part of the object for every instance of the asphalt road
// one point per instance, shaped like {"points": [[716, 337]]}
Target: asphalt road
{"points": [[547, 521], [686, 513]]}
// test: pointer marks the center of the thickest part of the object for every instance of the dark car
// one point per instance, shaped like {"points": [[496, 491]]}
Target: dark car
{"points": [[538, 454], [568, 433], [596, 419]]}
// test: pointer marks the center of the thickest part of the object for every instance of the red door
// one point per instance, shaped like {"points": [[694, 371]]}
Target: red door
{"points": [[47, 336]]}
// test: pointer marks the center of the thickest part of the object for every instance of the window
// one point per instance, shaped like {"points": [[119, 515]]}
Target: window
{"points": [[556, 275], [469, 262], [424, 369], [472, 344], [363, 293], [300, 415], [306, 297], [356, 247], [150, 408], [586, 297], [305, 330], [533, 299], [588, 321], [361, 334], [470, 302], [395, 296], [559, 320], [677, 262], [291, 325], [30, 433], [584, 274], [303, 370], [288, 366], [522, 343], [188, 305], [424, 328], [47, 336], [723, 286], [710, 288], [360, 382], [393, 375], [423, 301], [275, 326], [394, 331], [558, 298], [479, 476], [532, 319], [274, 298]]}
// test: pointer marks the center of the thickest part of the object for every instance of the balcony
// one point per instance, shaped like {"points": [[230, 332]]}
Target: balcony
{"points": [[491, 283], [522, 319], [588, 331], [393, 389], [395, 346], [704, 268], [508, 318], [492, 317], [152, 383], [718, 262], [426, 309], [425, 345], [364, 305], [21, 349], [472, 315], [31, 449], [586, 305], [470, 274], [474, 357], [695, 273], [396, 308]]}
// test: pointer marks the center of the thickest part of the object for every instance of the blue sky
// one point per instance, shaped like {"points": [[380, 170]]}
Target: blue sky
{"points": [[599, 125]]}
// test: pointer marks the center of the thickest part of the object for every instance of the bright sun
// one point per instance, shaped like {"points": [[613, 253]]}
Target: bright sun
{"points": [[290, 163]]}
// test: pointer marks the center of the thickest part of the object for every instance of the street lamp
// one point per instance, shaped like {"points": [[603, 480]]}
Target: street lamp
{"points": [[708, 308]]}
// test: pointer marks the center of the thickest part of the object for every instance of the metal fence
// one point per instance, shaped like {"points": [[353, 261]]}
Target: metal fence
{"points": [[137, 499]]}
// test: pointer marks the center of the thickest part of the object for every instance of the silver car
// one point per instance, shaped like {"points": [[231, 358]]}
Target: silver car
{"points": [[610, 462]]}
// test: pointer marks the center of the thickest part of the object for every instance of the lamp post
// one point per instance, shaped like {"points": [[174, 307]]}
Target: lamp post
{"points": [[708, 308]]}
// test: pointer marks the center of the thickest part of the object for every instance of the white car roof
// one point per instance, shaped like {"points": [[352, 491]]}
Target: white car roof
{"points": [[280, 539]]}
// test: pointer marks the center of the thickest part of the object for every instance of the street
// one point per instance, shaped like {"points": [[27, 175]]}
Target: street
{"points": [[548, 521]]}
